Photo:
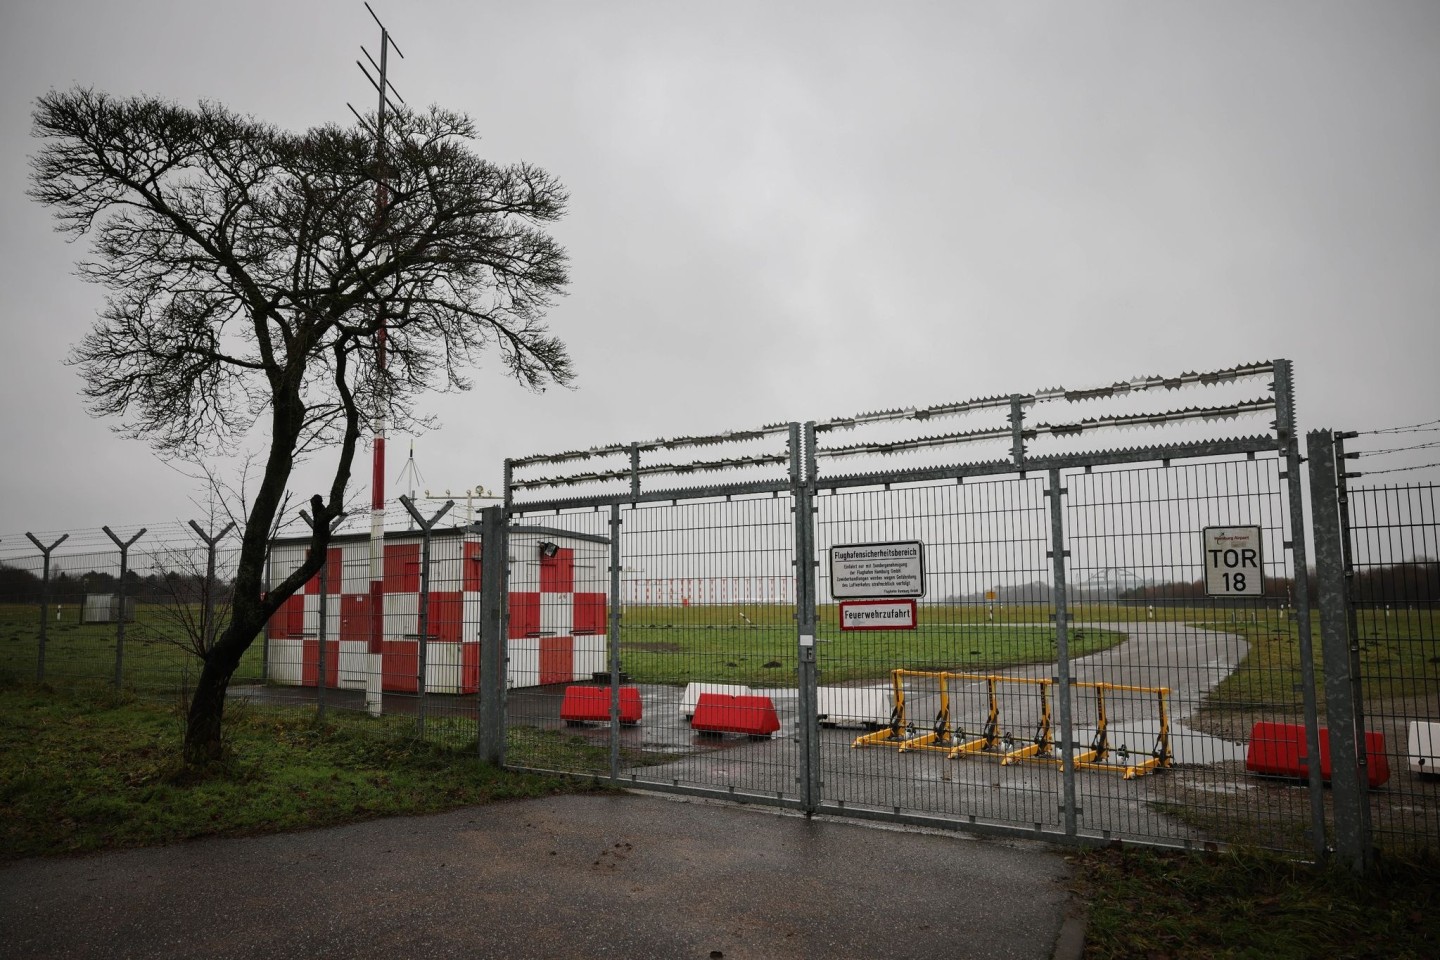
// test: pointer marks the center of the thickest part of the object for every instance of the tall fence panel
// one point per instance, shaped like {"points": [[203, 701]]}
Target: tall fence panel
{"points": [[744, 647], [1393, 603], [919, 721], [1395, 599], [699, 690], [1165, 715], [1379, 588]]}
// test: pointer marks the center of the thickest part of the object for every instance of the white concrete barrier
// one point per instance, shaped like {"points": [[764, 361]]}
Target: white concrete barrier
{"points": [[1425, 747], [854, 706], [693, 691]]}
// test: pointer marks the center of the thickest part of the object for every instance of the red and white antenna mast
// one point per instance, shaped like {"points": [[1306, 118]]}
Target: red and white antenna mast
{"points": [[383, 87]]}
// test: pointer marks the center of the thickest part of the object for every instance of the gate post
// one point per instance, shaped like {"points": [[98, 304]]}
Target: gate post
{"points": [[613, 637], [494, 578], [1343, 710], [1289, 438], [802, 485], [1058, 553]]}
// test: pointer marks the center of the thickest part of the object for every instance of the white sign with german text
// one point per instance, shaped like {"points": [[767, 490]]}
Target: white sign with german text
{"points": [[895, 569]]}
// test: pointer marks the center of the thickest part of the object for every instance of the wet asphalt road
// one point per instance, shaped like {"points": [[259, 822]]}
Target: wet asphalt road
{"points": [[615, 875]]}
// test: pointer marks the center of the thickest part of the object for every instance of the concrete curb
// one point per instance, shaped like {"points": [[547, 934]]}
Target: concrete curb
{"points": [[1070, 944]]}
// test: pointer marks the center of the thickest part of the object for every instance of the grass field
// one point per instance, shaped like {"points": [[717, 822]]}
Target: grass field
{"points": [[91, 770], [755, 644], [1399, 658], [152, 660], [659, 645]]}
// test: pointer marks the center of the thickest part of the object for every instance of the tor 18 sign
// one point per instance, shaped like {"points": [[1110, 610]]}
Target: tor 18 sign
{"points": [[1234, 563]]}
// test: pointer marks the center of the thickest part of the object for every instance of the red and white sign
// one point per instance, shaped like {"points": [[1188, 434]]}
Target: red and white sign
{"points": [[877, 615]]}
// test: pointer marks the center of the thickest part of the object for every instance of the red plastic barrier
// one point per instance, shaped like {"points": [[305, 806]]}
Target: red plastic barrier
{"points": [[1276, 748], [593, 704], [723, 713]]}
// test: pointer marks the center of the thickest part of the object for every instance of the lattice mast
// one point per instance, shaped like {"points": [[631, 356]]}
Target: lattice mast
{"points": [[383, 89]]}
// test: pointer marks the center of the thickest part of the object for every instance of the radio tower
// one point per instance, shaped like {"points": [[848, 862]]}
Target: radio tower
{"points": [[373, 679]]}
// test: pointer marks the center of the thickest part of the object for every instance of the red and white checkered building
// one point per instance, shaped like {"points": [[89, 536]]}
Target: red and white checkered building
{"points": [[557, 612]]}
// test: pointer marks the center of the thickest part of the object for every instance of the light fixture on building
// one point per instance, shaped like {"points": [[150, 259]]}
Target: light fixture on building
{"points": [[548, 549]]}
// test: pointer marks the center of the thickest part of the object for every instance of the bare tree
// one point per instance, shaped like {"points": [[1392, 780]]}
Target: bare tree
{"points": [[249, 271], [193, 603]]}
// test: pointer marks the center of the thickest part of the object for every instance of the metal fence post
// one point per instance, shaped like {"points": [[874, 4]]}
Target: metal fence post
{"points": [[1058, 553], [422, 645], [322, 661], [1017, 431], [1290, 449], [494, 574], [207, 624], [614, 638], [808, 722], [265, 633], [44, 600], [1342, 667], [1342, 487], [322, 665], [124, 546]]}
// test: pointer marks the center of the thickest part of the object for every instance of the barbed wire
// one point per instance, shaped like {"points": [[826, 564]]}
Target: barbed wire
{"points": [[1419, 446], [1418, 466], [168, 536], [1429, 426]]}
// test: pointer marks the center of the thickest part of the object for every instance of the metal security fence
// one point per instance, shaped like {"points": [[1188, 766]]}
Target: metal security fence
{"points": [[126, 608], [1110, 643], [61, 597], [1009, 628], [1379, 590], [1198, 674]]}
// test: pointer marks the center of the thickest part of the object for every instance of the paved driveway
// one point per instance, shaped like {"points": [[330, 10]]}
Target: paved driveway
{"points": [[614, 875]]}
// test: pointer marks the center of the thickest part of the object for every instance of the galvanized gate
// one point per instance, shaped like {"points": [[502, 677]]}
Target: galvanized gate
{"points": [[705, 577], [1066, 674]]}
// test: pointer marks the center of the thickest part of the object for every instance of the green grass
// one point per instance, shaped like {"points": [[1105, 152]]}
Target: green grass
{"points": [[82, 771], [1242, 904], [756, 645], [77, 652], [1399, 653], [1399, 657]]}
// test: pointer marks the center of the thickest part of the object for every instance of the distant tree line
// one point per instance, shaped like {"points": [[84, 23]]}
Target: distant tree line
{"points": [[1281, 589], [18, 585], [1413, 582]]}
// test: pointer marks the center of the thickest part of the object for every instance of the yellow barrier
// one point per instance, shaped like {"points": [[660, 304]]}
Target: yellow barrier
{"points": [[900, 733]]}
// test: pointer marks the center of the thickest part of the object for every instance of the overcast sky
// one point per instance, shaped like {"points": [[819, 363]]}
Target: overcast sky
{"points": [[804, 210]]}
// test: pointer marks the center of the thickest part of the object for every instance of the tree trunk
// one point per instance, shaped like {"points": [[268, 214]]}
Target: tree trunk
{"points": [[207, 710]]}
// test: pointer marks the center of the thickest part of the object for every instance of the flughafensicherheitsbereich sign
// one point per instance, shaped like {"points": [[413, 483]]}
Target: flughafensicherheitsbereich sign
{"points": [[861, 570]]}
